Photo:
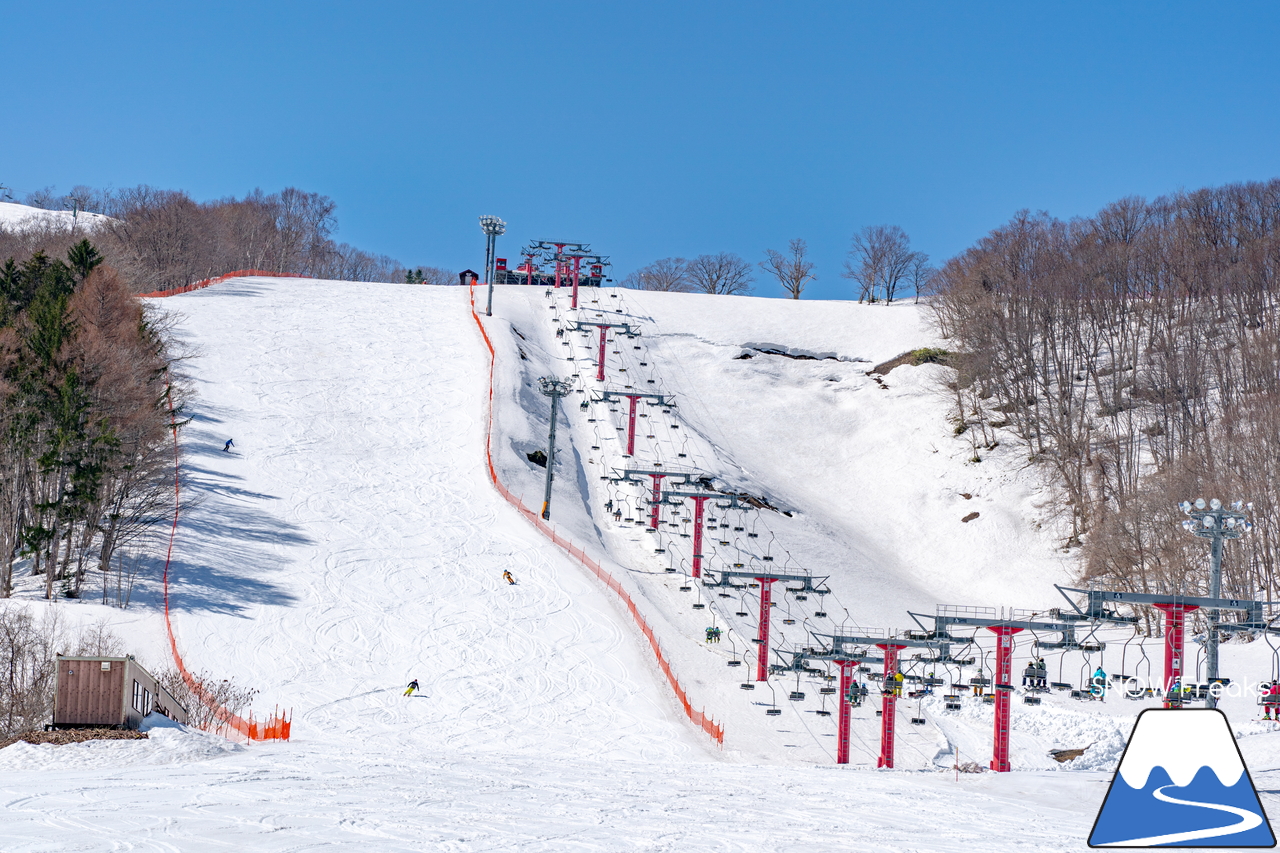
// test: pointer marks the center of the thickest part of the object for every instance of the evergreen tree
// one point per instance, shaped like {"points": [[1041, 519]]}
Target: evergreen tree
{"points": [[83, 257]]}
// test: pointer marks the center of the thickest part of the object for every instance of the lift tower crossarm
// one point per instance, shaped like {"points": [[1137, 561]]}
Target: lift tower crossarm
{"points": [[942, 622], [1175, 609], [1097, 598], [766, 579], [1004, 628], [634, 397], [577, 256], [588, 325], [658, 476], [699, 504], [846, 661]]}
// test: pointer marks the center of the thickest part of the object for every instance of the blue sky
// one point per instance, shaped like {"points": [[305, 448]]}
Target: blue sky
{"points": [[647, 129]]}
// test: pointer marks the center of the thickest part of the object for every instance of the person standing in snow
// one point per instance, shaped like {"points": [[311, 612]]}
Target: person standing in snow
{"points": [[413, 685], [506, 576], [226, 448]]}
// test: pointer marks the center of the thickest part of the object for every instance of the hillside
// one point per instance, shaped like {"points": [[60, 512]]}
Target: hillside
{"points": [[351, 541]]}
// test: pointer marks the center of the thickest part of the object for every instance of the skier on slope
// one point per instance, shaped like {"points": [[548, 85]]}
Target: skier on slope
{"points": [[226, 448], [506, 576], [413, 685]]}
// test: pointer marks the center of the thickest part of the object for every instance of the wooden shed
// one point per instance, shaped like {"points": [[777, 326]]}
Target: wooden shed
{"points": [[108, 692]]}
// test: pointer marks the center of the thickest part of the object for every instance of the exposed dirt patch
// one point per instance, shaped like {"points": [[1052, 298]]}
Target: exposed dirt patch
{"points": [[971, 516], [65, 736]]}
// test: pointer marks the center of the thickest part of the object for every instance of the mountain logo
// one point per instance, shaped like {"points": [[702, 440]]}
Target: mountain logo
{"points": [[1182, 783]]}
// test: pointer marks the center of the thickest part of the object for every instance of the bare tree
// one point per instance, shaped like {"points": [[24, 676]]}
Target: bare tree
{"points": [[793, 271], [723, 273], [920, 274], [667, 274], [879, 261]]}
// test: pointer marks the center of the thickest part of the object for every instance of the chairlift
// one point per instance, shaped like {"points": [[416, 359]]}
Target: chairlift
{"points": [[686, 588], [820, 614], [699, 606]]}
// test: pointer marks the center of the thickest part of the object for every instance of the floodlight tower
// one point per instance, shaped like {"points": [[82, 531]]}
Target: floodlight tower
{"points": [[1216, 524], [555, 389], [493, 227]]}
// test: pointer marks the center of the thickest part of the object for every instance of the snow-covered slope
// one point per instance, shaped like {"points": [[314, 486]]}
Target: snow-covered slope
{"points": [[350, 541], [17, 217]]}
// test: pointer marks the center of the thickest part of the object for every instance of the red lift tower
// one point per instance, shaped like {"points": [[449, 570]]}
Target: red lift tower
{"points": [[568, 257], [1004, 626], [655, 503], [848, 651], [1175, 608], [700, 499], [573, 259], [635, 397], [766, 580], [604, 327]]}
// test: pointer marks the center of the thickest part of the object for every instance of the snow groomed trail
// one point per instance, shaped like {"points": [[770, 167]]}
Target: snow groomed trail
{"points": [[348, 543]]}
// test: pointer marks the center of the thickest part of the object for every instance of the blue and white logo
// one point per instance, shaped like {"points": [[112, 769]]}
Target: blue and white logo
{"points": [[1182, 783]]}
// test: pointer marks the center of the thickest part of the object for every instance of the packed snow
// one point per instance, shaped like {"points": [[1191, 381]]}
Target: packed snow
{"points": [[350, 541]]}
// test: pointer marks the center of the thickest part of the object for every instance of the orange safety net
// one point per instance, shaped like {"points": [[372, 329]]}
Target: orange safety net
{"points": [[229, 725], [699, 718]]}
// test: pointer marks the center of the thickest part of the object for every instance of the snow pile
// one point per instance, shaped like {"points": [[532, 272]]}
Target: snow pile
{"points": [[169, 744]]}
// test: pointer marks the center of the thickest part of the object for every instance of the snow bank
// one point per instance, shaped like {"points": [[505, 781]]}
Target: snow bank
{"points": [[165, 744]]}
